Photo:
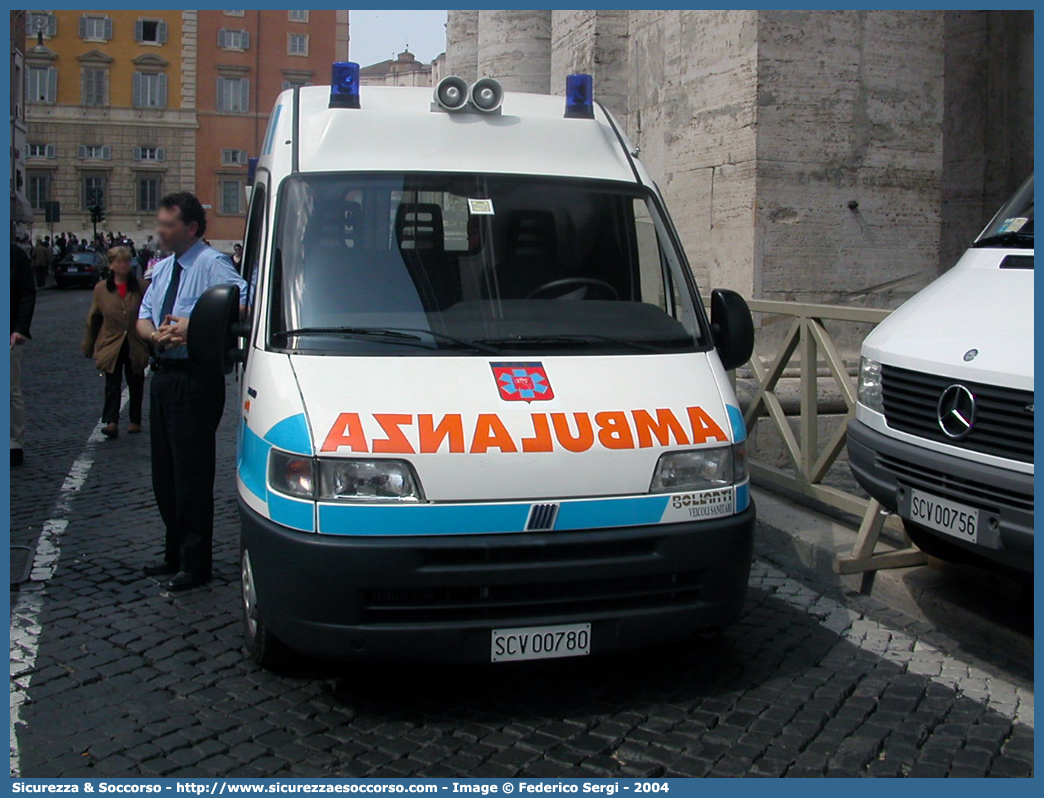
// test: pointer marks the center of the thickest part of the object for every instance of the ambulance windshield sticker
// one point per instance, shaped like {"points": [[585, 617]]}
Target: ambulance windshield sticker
{"points": [[522, 382], [481, 207], [1012, 225]]}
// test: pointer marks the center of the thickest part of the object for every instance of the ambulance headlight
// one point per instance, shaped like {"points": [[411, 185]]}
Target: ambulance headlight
{"points": [[870, 384], [356, 480], [291, 474], [698, 469]]}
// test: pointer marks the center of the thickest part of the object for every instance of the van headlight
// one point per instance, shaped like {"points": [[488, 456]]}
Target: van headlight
{"points": [[343, 479], [870, 385], [368, 481], [700, 469]]}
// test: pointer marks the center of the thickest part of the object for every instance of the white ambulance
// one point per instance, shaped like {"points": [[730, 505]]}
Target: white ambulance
{"points": [[943, 433], [484, 415]]}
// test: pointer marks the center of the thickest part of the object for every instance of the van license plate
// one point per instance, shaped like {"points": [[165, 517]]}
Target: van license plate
{"points": [[541, 642], [942, 515]]}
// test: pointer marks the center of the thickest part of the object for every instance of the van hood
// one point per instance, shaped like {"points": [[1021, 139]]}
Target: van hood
{"points": [[973, 323], [482, 429]]}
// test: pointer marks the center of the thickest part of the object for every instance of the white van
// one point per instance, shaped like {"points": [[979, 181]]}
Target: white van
{"points": [[484, 416], [943, 433]]}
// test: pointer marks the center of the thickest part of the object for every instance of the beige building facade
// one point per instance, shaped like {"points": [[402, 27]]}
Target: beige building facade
{"points": [[110, 115], [834, 156]]}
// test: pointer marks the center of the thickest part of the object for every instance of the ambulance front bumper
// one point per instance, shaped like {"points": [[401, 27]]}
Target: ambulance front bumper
{"points": [[438, 598]]}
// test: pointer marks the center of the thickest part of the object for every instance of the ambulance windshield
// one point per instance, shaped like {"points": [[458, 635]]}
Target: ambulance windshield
{"points": [[471, 264]]}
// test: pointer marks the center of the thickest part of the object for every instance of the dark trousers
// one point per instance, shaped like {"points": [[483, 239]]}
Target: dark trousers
{"points": [[114, 387], [184, 411]]}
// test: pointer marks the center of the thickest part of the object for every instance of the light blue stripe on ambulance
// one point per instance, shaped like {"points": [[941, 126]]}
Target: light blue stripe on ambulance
{"points": [[742, 496], [422, 519], [273, 123], [739, 429], [291, 435], [599, 513], [293, 513], [253, 461]]}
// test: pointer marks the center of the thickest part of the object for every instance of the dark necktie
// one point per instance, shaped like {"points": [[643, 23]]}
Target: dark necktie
{"points": [[172, 293]]}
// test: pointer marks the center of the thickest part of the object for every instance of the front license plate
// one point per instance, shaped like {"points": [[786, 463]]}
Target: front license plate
{"points": [[541, 642], [942, 515]]}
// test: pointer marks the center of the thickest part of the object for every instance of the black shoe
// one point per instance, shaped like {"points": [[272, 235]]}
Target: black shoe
{"points": [[185, 581], [17, 457], [159, 568]]}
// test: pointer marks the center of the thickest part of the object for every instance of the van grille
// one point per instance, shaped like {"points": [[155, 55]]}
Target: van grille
{"points": [[492, 601], [1004, 416], [966, 491]]}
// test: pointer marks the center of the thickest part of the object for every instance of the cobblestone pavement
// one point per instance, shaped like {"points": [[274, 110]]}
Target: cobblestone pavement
{"points": [[111, 677]]}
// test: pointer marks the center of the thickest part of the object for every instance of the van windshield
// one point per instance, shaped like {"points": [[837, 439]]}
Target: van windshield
{"points": [[474, 264], [1013, 224]]}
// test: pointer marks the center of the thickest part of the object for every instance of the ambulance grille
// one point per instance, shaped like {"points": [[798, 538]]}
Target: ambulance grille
{"points": [[542, 517], [532, 599]]}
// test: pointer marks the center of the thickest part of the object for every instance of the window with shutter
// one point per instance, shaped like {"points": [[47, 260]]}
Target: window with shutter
{"points": [[52, 25], [161, 154], [81, 151], [245, 40], [51, 151], [106, 152], [136, 90], [108, 28], [94, 87], [161, 32], [222, 37], [52, 84], [139, 31], [137, 153], [83, 27], [161, 92]]}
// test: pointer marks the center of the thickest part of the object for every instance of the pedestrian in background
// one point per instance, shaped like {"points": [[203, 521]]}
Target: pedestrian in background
{"points": [[41, 260], [112, 340], [23, 303], [186, 402]]}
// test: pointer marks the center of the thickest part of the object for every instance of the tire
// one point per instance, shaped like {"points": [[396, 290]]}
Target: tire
{"points": [[264, 648]]}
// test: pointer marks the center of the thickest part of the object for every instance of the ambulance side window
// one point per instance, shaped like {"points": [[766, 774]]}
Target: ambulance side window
{"points": [[656, 285], [253, 246]]}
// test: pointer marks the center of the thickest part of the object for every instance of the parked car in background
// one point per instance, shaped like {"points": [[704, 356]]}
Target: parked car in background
{"points": [[80, 268], [943, 433]]}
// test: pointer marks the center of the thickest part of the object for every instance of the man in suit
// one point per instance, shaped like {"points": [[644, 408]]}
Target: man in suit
{"points": [[186, 402]]}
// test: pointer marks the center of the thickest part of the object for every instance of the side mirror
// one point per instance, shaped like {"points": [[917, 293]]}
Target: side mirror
{"points": [[214, 330], [732, 328]]}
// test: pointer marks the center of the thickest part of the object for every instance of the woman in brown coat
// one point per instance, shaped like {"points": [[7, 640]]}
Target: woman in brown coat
{"points": [[113, 342]]}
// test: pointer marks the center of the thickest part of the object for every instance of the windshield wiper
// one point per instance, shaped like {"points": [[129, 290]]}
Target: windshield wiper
{"points": [[391, 335], [1012, 237], [578, 338]]}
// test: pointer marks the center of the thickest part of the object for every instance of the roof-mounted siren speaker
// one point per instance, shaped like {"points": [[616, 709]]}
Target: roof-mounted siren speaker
{"points": [[486, 95], [451, 93]]}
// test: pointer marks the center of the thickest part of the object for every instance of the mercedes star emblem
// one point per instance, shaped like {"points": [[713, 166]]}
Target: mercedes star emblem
{"points": [[956, 411], [970, 355]]}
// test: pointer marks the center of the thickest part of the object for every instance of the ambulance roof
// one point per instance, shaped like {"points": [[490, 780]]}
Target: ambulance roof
{"points": [[395, 130]]}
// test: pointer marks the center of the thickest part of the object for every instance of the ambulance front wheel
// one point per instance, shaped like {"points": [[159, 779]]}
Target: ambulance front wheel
{"points": [[266, 649]]}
